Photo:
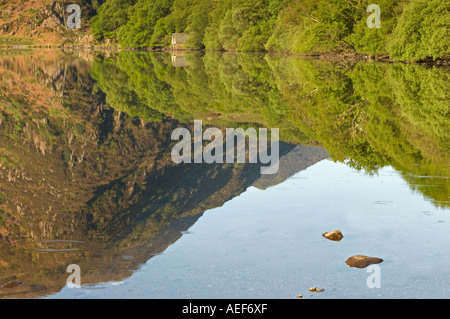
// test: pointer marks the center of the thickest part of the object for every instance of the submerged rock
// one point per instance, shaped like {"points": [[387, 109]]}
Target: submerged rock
{"points": [[315, 289], [334, 235], [360, 261], [12, 284]]}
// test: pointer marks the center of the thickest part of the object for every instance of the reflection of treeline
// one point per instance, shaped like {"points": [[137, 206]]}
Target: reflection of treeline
{"points": [[410, 29], [368, 115]]}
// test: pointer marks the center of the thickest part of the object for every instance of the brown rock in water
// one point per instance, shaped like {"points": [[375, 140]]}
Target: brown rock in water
{"points": [[12, 284], [360, 261], [335, 235], [315, 289]]}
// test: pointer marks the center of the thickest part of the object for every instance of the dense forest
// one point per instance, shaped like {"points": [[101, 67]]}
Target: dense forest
{"points": [[410, 29]]}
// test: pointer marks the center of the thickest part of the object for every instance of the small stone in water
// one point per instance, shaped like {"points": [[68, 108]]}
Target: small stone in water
{"points": [[335, 235], [360, 261]]}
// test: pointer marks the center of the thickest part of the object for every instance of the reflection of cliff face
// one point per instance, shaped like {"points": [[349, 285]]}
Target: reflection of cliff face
{"points": [[86, 184], [367, 115], [298, 159], [123, 232]]}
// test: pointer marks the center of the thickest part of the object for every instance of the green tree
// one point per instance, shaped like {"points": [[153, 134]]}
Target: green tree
{"points": [[110, 17], [422, 31]]}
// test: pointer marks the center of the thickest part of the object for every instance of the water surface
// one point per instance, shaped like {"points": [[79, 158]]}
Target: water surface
{"points": [[86, 177]]}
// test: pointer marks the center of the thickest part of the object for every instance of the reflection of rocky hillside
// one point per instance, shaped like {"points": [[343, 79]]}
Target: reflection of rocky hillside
{"points": [[77, 174], [367, 115], [298, 159], [41, 266]]}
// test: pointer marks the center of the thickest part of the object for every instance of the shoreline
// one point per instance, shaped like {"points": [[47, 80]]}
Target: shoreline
{"points": [[327, 56]]}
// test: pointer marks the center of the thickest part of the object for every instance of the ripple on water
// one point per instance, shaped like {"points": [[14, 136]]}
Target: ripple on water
{"points": [[58, 245], [383, 202]]}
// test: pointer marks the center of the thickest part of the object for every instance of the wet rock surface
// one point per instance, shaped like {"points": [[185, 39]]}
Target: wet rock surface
{"points": [[360, 261], [334, 235]]}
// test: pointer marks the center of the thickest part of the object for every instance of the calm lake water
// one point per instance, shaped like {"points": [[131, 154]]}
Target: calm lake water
{"points": [[87, 178]]}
